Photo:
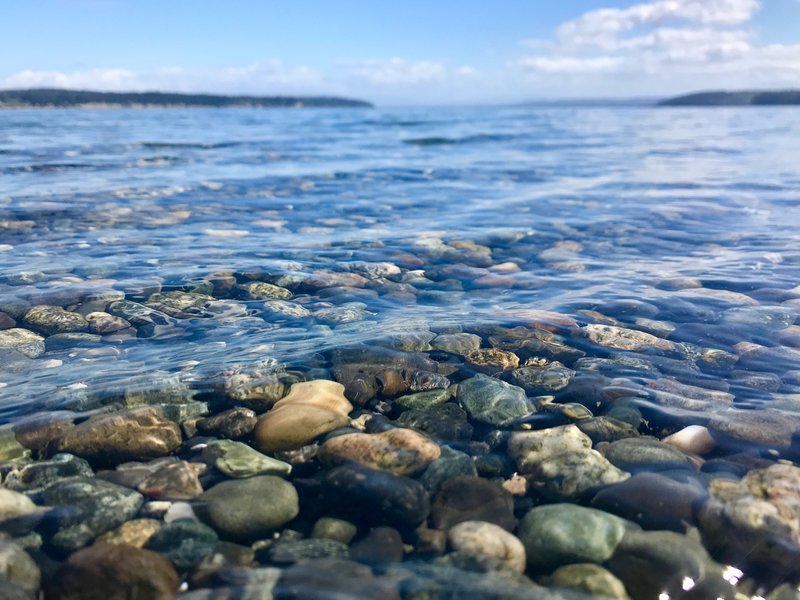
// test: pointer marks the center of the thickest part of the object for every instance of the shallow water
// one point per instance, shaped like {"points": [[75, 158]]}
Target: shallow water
{"points": [[679, 223]]}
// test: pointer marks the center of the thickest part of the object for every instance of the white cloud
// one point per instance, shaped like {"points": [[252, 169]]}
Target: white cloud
{"points": [[663, 46]]}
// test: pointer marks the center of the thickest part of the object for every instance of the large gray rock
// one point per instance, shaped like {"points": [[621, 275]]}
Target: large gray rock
{"points": [[249, 509], [561, 534]]}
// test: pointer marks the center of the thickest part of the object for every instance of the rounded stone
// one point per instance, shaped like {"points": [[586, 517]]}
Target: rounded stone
{"points": [[311, 408], [530, 448], [399, 451], [571, 475], [591, 579], [51, 320], [108, 572], [249, 509], [451, 463], [234, 423], [561, 534], [640, 454], [380, 547], [480, 537], [334, 529], [14, 505], [185, 542], [492, 401], [139, 433]]}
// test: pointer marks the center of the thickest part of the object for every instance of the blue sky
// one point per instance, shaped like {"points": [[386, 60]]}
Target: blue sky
{"points": [[405, 52]]}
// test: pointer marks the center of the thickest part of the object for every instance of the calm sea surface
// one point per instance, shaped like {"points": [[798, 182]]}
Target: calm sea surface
{"points": [[646, 261]]}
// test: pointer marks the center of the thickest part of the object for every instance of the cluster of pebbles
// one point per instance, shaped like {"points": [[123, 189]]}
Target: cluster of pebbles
{"points": [[595, 452]]}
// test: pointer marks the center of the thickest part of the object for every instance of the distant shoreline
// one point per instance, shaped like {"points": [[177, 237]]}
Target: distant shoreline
{"points": [[84, 99]]}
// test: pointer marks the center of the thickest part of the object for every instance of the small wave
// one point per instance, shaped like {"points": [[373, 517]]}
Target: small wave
{"points": [[47, 168]]}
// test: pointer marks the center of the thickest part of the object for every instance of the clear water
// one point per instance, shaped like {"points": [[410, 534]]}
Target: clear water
{"points": [[594, 205]]}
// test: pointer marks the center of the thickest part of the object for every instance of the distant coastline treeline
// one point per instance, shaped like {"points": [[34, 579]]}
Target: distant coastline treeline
{"points": [[60, 98], [746, 98]]}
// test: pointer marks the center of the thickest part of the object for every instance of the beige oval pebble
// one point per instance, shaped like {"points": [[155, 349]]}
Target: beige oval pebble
{"points": [[530, 448], [695, 439], [399, 451], [480, 537]]}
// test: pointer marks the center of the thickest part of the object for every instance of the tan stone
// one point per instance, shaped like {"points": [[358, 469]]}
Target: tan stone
{"points": [[481, 537], [132, 533], [399, 451], [530, 448], [310, 409]]}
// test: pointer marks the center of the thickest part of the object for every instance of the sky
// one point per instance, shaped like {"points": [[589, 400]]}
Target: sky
{"points": [[403, 52]]}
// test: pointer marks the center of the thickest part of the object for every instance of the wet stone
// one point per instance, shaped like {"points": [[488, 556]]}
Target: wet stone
{"points": [[234, 423], [239, 460], [492, 401], [63, 341], [422, 400], [573, 474], [50, 320], [86, 509], [377, 497], [607, 429], [258, 386], [468, 498], [109, 572], [491, 360], [480, 537], [621, 338], [15, 506], [103, 323], [248, 509], [445, 421], [763, 428], [310, 409], [380, 547], [450, 464], [23, 341], [286, 552], [174, 480], [132, 533], [18, 568], [653, 501], [544, 379], [530, 448], [10, 448], [6, 321], [131, 434], [456, 343], [334, 529], [332, 578], [33, 477], [260, 290], [561, 534], [645, 454], [185, 542], [590, 579], [399, 451]]}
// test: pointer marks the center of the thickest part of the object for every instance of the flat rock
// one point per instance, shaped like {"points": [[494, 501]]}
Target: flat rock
{"points": [[35, 476], [492, 401], [543, 379], [109, 572], [763, 428], [467, 498], [480, 537], [287, 552], [134, 533], [88, 507], [233, 423], [399, 451], [311, 409], [443, 421], [630, 340], [239, 460], [377, 497], [249, 509], [132, 434], [51, 320], [456, 343], [571, 475], [646, 454], [530, 448], [23, 341], [562, 534], [260, 290]]}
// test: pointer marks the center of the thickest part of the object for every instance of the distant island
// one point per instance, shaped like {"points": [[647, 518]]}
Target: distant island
{"points": [[747, 98], [60, 98]]}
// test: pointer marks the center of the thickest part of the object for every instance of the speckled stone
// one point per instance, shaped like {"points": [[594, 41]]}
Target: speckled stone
{"points": [[132, 533], [530, 448], [23, 341], [492, 401], [480, 537], [50, 320], [570, 475], [233, 424], [399, 451]]}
